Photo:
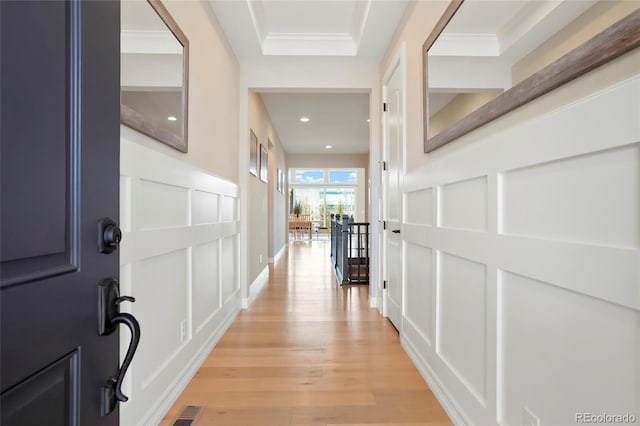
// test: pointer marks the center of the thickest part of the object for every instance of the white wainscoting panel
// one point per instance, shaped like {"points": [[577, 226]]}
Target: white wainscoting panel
{"points": [[535, 259], [206, 283], [160, 205], [461, 320], [229, 209], [419, 207], [463, 205], [229, 271], [589, 199], [556, 349], [204, 208], [419, 289], [160, 281], [179, 259]]}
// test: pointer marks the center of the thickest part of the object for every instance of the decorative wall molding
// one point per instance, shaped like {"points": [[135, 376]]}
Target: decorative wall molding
{"points": [[439, 391], [168, 398], [179, 259], [308, 43], [532, 228]]}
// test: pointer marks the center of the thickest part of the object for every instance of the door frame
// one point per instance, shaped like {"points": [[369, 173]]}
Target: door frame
{"points": [[307, 78], [397, 64]]}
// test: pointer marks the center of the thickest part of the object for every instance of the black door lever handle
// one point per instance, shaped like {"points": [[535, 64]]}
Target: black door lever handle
{"points": [[396, 231], [112, 390], [110, 318], [130, 321]]}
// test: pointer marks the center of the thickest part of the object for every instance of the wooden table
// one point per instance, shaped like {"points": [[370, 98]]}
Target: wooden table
{"points": [[296, 225]]}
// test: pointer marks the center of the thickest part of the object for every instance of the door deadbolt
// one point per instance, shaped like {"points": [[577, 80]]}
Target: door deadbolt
{"points": [[109, 235]]}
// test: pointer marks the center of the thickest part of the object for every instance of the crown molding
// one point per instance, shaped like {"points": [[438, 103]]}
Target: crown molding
{"points": [[360, 17], [274, 43]]}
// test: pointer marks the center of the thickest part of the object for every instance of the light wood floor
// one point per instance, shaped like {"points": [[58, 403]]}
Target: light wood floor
{"points": [[308, 352]]}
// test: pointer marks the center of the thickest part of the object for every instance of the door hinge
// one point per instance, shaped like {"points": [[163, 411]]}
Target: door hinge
{"points": [[384, 225], [384, 165], [384, 107], [384, 284]]}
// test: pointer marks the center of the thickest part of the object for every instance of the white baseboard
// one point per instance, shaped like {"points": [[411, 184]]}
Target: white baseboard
{"points": [[373, 302], [278, 256], [166, 401], [256, 287], [443, 397]]}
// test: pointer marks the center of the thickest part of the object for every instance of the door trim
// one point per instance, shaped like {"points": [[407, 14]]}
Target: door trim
{"points": [[397, 63]]}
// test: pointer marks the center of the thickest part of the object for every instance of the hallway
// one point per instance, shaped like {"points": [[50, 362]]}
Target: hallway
{"points": [[307, 352]]}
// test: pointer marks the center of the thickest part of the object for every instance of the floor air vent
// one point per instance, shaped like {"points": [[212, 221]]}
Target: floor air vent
{"points": [[188, 416]]}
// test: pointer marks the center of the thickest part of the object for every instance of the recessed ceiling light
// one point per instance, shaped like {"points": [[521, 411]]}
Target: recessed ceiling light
{"points": [[171, 118], [368, 120], [304, 119], [328, 146]]}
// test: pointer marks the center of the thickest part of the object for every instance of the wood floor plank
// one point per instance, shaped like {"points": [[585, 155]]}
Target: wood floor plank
{"points": [[222, 399], [309, 352], [245, 417]]}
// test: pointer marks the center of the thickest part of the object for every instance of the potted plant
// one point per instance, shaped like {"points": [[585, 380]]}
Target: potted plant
{"points": [[297, 208]]}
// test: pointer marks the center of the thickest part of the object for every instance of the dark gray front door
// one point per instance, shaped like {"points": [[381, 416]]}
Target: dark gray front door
{"points": [[60, 163]]}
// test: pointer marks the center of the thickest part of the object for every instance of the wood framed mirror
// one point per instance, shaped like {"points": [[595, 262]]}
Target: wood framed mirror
{"points": [[154, 73], [486, 58]]}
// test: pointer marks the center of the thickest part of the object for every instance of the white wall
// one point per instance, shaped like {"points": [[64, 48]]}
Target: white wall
{"points": [[521, 247], [278, 217], [265, 204], [213, 101], [327, 161], [179, 259]]}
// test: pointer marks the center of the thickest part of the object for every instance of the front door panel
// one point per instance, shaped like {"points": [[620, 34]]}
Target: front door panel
{"points": [[60, 164]]}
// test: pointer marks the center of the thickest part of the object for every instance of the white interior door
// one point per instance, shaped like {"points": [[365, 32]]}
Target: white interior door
{"points": [[393, 125]]}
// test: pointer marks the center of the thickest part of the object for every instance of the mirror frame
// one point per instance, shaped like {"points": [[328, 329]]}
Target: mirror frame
{"points": [[614, 41], [137, 121]]}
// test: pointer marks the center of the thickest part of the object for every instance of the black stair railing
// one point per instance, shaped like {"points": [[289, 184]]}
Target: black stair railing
{"points": [[350, 250]]}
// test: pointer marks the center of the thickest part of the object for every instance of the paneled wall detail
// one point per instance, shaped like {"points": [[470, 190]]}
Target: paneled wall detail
{"points": [[461, 339], [420, 291], [179, 259], [463, 205], [522, 293], [418, 207], [556, 200], [561, 346]]}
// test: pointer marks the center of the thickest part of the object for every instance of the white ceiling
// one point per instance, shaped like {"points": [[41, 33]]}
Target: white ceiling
{"points": [[277, 30], [360, 28], [488, 35], [336, 119], [138, 15]]}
